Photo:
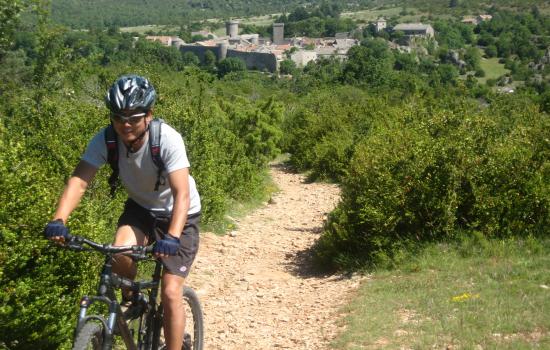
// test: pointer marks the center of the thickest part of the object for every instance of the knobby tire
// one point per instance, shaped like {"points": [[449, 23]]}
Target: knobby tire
{"points": [[198, 329], [90, 336]]}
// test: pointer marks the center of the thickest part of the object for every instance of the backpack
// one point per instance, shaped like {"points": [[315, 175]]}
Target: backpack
{"points": [[154, 145]]}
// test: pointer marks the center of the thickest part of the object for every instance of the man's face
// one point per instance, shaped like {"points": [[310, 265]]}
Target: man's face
{"points": [[129, 125]]}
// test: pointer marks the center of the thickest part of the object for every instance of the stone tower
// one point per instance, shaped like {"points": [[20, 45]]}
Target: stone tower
{"points": [[278, 33], [232, 29]]}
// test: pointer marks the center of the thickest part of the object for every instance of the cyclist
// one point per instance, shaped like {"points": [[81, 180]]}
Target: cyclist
{"points": [[168, 215]]}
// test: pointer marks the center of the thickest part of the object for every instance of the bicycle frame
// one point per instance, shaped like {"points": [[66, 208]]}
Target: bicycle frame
{"points": [[109, 281]]}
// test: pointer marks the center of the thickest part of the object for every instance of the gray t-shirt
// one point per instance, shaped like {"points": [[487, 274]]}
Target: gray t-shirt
{"points": [[138, 173]]}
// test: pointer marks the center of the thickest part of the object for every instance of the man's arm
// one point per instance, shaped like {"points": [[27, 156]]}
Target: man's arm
{"points": [[74, 190], [179, 183]]}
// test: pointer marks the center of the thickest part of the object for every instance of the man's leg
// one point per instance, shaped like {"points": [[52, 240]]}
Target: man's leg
{"points": [[174, 311], [124, 265]]}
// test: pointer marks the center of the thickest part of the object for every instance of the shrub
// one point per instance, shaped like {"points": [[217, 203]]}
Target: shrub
{"points": [[42, 136], [430, 171], [321, 133]]}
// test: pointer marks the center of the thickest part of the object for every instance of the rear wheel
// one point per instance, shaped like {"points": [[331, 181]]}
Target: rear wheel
{"points": [[89, 337]]}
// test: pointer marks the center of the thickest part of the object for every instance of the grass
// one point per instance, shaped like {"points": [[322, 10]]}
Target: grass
{"points": [[492, 69], [413, 14], [475, 295], [146, 28], [238, 209]]}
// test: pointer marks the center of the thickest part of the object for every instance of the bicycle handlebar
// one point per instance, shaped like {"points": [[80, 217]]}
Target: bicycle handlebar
{"points": [[136, 251]]}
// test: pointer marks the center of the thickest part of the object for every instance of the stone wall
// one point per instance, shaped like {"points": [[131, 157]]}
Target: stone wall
{"points": [[200, 51], [256, 60], [253, 60]]}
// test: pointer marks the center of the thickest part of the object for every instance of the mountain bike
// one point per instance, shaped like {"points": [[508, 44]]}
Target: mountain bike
{"points": [[140, 325]]}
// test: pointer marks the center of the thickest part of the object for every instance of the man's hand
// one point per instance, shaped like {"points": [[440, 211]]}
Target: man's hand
{"points": [[167, 246], [56, 231]]}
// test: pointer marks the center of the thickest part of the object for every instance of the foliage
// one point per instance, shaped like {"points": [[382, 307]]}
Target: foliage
{"points": [[287, 67], [430, 170], [82, 14], [370, 64], [44, 126], [230, 65], [419, 151], [322, 131], [9, 20]]}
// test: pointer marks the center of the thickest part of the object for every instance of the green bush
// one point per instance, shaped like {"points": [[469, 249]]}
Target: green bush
{"points": [[321, 132], [42, 136], [429, 171]]}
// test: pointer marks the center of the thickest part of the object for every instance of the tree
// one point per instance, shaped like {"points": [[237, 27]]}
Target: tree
{"points": [[453, 3], [190, 59], [446, 74], [287, 67], [491, 51], [229, 65], [209, 60], [298, 14], [9, 20], [472, 58], [369, 64]]}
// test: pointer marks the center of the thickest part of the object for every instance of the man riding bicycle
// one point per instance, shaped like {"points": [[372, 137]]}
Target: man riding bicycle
{"points": [[163, 204]]}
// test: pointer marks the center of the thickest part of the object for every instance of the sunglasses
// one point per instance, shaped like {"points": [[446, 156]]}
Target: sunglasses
{"points": [[131, 119]]}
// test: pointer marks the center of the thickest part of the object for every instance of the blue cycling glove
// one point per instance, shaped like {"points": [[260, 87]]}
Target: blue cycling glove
{"points": [[169, 245], [56, 228]]}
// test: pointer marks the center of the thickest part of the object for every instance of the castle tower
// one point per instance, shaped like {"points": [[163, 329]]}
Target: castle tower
{"points": [[278, 33], [232, 29], [222, 50]]}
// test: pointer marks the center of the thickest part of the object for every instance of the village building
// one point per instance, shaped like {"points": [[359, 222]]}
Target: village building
{"points": [[482, 18], [302, 57], [475, 20], [469, 20], [380, 24], [166, 40], [415, 30], [262, 53]]}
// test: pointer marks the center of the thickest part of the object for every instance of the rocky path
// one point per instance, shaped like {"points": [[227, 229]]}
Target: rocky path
{"points": [[256, 284]]}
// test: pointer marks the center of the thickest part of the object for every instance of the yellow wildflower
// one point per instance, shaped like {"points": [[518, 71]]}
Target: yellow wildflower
{"points": [[464, 297]]}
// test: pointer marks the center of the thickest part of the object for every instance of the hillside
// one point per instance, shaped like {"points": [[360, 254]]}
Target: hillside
{"points": [[101, 13]]}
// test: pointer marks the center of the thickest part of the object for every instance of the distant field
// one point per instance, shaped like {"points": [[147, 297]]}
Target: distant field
{"points": [[492, 68], [146, 28], [260, 20], [413, 15], [372, 15]]}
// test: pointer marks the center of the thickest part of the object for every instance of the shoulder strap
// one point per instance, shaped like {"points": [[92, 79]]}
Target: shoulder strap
{"points": [[154, 145], [112, 157]]}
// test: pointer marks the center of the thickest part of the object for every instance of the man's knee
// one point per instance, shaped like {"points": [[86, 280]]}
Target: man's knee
{"points": [[172, 288]]}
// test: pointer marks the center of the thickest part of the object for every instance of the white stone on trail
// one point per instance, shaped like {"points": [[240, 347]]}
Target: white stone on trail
{"points": [[257, 285]]}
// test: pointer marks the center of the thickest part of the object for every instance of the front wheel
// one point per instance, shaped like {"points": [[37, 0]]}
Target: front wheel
{"points": [[194, 329], [90, 337], [193, 337]]}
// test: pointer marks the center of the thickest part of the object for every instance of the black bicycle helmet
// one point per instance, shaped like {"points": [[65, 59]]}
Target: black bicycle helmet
{"points": [[131, 92]]}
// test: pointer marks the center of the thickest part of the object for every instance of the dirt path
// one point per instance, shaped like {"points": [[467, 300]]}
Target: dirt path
{"points": [[256, 285]]}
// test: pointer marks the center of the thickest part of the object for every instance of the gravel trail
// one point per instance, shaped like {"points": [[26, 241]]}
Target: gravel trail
{"points": [[256, 284]]}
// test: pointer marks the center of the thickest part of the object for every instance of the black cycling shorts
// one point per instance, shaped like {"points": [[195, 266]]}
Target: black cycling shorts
{"points": [[155, 227]]}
